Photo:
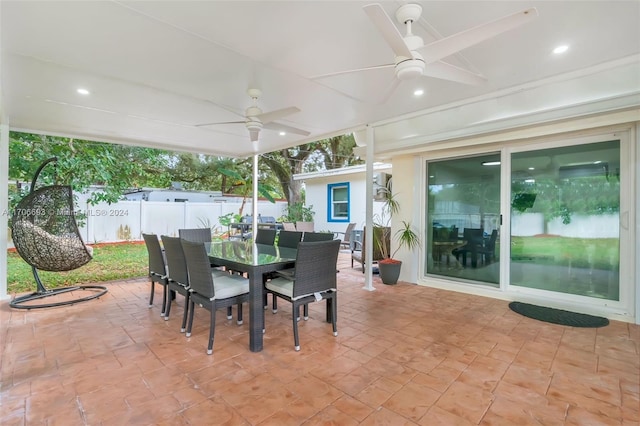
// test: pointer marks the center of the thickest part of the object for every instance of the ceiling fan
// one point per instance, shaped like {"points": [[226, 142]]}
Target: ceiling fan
{"points": [[415, 59], [255, 120]]}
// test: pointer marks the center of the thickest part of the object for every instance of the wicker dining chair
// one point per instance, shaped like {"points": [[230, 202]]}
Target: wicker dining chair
{"points": [[314, 279], [209, 291], [178, 277], [317, 236], [266, 236], [197, 235], [289, 238], [157, 269], [305, 226]]}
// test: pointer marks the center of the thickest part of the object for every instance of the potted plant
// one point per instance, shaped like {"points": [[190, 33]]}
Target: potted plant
{"points": [[406, 237]]}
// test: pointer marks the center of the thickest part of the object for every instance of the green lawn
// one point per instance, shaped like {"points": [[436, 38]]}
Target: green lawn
{"points": [[600, 253], [110, 262]]}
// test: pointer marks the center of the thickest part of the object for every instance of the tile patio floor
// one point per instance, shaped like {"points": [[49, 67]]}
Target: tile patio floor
{"points": [[405, 355]]}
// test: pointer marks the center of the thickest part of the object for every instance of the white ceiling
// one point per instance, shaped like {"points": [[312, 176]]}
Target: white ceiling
{"points": [[155, 69]]}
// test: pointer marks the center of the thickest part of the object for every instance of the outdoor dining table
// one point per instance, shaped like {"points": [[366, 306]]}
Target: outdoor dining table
{"points": [[256, 260]]}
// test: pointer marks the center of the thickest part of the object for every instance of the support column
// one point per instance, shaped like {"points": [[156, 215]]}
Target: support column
{"points": [[4, 206], [254, 207], [368, 237]]}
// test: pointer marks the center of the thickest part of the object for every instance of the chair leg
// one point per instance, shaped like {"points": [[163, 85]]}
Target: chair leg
{"points": [[192, 307], [328, 310], [334, 313], [239, 313], [167, 309], [165, 297], [212, 330], [305, 310], [229, 313], [274, 302], [187, 299], [295, 317], [153, 288]]}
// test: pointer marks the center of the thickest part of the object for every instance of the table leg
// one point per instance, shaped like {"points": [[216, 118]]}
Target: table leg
{"points": [[256, 312]]}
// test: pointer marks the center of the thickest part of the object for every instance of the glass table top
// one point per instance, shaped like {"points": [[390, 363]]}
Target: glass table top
{"points": [[248, 253]]}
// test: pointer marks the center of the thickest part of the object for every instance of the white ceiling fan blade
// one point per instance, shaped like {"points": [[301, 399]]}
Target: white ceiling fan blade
{"points": [[331, 74], [254, 135], [450, 72], [389, 31], [392, 88], [454, 43], [267, 117], [220, 122], [285, 128]]}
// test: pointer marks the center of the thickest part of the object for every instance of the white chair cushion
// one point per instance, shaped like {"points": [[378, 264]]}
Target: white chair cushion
{"points": [[281, 285], [284, 287], [215, 273], [228, 285]]}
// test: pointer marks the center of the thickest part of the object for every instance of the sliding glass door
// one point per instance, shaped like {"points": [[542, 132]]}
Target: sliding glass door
{"points": [[565, 215], [463, 218], [563, 208]]}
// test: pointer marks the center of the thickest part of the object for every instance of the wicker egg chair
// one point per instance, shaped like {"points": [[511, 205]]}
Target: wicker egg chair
{"points": [[46, 236]]}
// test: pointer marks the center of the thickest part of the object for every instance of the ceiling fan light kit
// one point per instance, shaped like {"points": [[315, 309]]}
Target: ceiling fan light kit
{"points": [[410, 69]]}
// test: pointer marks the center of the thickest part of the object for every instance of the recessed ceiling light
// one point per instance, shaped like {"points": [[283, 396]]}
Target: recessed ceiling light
{"points": [[561, 49], [282, 133], [490, 163], [530, 181], [82, 91], [532, 168], [418, 92]]}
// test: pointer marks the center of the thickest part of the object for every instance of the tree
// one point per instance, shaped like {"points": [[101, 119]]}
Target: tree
{"points": [[84, 163], [329, 153]]}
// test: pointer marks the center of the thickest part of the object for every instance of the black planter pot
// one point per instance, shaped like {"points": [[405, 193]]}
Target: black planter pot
{"points": [[389, 272]]}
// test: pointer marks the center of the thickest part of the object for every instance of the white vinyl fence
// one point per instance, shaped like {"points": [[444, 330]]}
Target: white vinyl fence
{"points": [[127, 220]]}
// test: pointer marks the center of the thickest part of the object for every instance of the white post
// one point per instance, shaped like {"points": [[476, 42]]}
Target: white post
{"points": [[254, 207], [368, 237], [4, 206]]}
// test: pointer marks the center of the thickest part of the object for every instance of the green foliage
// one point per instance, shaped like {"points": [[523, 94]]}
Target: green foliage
{"points": [[406, 237], [246, 183], [84, 163], [297, 212], [589, 195]]}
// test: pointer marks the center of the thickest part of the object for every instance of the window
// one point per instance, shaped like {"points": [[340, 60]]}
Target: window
{"points": [[338, 202]]}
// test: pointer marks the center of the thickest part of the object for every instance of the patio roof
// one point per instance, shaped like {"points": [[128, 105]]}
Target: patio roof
{"points": [[155, 70]]}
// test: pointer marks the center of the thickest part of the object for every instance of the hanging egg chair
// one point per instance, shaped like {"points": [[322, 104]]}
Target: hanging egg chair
{"points": [[46, 236]]}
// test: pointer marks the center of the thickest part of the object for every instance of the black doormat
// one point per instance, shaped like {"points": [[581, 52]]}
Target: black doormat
{"points": [[558, 316]]}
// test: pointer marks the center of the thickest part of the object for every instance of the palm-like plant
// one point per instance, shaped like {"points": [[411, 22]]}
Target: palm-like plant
{"points": [[405, 236]]}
